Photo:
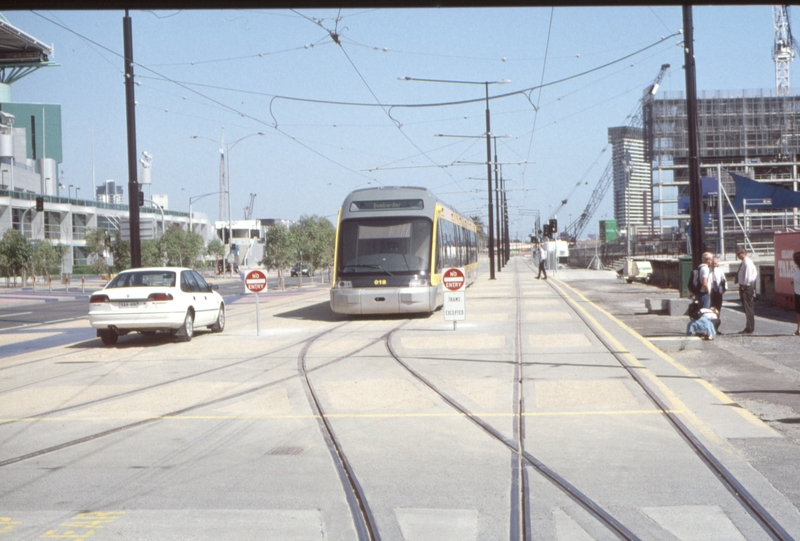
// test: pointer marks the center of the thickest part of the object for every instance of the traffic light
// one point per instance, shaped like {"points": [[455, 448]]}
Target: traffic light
{"points": [[553, 226], [547, 231], [141, 199], [39, 204]]}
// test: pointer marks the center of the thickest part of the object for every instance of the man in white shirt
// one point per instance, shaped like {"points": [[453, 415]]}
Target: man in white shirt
{"points": [[746, 278], [542, 253], [704, 271]]}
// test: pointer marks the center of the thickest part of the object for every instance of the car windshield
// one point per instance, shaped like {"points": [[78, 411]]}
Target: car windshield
{"points": [[143, 279], [387, 246]]}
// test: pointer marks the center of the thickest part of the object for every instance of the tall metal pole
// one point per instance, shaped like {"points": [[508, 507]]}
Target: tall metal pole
{"points": [[489, 181], [497, 228], [133, 182], [695, 189], [505, 218]]}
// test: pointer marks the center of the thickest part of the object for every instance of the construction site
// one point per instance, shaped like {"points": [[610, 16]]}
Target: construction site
{"points": [[752, 134]]}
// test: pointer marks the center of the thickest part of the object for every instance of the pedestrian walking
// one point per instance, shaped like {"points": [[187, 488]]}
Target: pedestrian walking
{"points": [[542, 254], [704, 276], [796, 279], [746, 278], [718, 286]]}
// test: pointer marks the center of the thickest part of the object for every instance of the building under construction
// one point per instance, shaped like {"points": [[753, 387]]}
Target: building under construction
{"points": [[754, 134]]}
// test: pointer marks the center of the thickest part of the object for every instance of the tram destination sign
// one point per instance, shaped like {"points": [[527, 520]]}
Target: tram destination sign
{"points": [[255, 281]]}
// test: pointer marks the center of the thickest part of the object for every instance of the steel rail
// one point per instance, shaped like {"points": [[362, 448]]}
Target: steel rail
{"points": [[729, 481]]}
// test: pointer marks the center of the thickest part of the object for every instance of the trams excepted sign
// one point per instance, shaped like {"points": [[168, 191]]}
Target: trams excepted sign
{"points": [[453, 279], [255, 281], [455, 305]]}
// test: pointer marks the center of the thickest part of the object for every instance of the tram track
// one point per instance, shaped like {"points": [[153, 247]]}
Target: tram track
{"points": [[153, 419], [751, 505]]}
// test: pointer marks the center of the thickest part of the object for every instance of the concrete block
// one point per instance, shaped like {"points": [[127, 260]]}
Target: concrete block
{"points": [[655, 305], [678, 307], [677, 343]]}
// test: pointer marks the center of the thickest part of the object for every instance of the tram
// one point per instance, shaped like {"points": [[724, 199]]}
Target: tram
{"points": [[392, 244]]}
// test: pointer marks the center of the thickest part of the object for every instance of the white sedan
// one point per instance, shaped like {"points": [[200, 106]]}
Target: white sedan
{"points": [[156, 299]]}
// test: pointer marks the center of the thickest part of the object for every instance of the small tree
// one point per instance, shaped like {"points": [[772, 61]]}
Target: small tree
{"points": [[152, 254], [315, 236], [278, 250], [215, 249], [44, 257], [98, 246], [15, 255], [182, 248]]}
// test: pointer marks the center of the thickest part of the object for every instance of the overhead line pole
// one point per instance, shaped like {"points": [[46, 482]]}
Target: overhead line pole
{"points": [[130, 109], [695, 189]]}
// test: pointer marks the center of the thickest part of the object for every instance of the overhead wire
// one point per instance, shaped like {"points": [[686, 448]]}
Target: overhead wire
{"points": [[212, 100]]}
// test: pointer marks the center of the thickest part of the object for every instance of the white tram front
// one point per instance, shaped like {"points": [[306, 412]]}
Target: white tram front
{"points": [[385, 261]]}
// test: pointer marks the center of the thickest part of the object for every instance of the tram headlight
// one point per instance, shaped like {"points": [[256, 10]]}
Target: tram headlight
{"points": [[344, 284], [416, 281]]}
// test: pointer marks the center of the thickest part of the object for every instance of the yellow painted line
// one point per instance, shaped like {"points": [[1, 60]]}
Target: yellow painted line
{"points": [[342, 416], [719, 395]]}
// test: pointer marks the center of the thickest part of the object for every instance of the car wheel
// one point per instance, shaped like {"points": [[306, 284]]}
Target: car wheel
{"points": [[109, 338], [219, 325], [186, 331]]}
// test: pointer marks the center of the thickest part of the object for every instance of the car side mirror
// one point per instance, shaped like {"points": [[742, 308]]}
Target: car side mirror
{"points": [[213, 287]]}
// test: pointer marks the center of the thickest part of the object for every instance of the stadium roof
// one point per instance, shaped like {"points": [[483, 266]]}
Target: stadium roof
{"points": [[20, 53]]}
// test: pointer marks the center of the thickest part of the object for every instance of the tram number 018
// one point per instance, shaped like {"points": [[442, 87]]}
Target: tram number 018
{"points": [[380, 282]]}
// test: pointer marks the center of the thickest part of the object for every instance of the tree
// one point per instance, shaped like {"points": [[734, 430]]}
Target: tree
{"points": [[215, 249], [152, 253], [316, 237], [98, 247], [278, 250], [44, 257], [181, 247], [15, 255]]}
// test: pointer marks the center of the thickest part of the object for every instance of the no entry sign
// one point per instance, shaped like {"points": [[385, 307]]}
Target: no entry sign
{"points": [[255, 281], [453, 279]]}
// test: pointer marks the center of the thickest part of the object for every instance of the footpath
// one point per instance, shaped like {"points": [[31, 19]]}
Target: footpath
{"points": [[759, 372]]}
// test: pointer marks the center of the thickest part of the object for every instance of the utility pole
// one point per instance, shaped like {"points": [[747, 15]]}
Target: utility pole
{"points": [[695, 189], [133, 182]]}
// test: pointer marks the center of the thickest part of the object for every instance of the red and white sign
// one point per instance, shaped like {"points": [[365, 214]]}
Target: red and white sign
{"points": [[453, 279], [255, 281]]}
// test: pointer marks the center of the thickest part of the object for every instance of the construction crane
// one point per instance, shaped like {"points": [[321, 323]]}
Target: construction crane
{"points": [[641, 119], [783, 50], [248, 210]]}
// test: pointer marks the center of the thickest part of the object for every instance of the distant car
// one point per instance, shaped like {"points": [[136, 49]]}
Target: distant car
{"points": [[296, 270], [155, 299]]}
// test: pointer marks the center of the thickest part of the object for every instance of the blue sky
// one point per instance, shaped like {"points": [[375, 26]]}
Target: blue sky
{"points": [[244, 71]]}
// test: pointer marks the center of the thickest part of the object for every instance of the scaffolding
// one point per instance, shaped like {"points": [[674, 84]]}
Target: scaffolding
{"points": [[753, 133]]}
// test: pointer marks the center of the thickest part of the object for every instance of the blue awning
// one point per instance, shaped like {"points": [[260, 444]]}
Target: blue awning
{"points": [[777, 196]]}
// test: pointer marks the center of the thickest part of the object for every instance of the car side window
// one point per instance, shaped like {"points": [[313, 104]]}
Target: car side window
{"points": [[201, 283], [187, 282]]}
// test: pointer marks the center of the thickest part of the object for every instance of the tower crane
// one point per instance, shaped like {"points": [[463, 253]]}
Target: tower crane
{"points": [[248, 210], [783, 50], [641, 119]]}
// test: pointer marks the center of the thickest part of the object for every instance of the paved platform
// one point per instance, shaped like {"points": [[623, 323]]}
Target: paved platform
{"points": [[231, 431]]}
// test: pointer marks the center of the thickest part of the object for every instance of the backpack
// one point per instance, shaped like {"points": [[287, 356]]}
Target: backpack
{"points": [[694, 282]]}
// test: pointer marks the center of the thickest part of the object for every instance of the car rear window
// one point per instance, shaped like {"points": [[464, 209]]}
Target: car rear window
{"points": [[144, 279]]}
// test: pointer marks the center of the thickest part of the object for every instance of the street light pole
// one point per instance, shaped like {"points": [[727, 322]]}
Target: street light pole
{"points": [[225, 149], [488, 154]]}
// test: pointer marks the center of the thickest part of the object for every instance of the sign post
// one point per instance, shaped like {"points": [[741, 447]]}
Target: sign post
{"points": [[256, 281], [455, 306]]}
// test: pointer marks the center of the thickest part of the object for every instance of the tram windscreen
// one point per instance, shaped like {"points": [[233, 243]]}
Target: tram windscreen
{"points": [[385, 246]]}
